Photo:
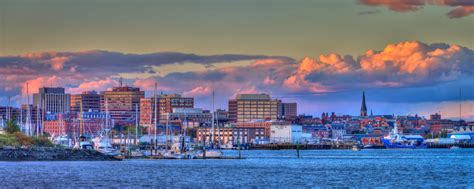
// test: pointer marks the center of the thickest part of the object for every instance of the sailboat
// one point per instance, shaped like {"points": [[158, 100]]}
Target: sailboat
{"points": [[103, 143], [211, 153]]}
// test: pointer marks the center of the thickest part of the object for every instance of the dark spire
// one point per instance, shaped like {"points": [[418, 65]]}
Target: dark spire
{"points": [[363, 108]]}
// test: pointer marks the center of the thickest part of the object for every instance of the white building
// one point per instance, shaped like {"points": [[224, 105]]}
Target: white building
{"points": [[285, 133]]}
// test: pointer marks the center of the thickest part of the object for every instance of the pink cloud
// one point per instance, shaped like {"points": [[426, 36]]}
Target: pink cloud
{"points": [[199, 91], [98, 85], [461, 8], [35, 84]]}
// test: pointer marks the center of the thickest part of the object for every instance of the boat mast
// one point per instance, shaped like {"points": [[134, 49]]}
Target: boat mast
{"points": [[42, 115], [136, 123], [212, 123], [28, 113], [155, 109], [20, 121], [106, 123], [218, 129], [8, 109], [37, 121], [81, 126], [167, 130]]}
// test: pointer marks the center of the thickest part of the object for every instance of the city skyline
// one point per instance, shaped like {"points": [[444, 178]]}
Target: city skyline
{"points": [[397, 53]]}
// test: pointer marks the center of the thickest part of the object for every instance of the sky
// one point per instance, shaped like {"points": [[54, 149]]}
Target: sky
{"points": [[411, 57]]}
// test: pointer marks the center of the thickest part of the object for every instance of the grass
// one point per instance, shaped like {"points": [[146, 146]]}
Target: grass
{"points": [[18, 139]]}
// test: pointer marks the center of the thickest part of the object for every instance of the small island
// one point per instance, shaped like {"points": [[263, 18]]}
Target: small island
{"points": [[16, 146]]}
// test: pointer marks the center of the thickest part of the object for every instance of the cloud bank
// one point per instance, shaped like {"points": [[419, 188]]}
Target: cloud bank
{"points": [[460, 8], [405, 72]]}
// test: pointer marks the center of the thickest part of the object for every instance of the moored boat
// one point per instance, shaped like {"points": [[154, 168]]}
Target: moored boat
{"points": [[397, 140]]}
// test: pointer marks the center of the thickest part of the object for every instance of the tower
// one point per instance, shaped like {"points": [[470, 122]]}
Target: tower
{"points": [[363, 108]]}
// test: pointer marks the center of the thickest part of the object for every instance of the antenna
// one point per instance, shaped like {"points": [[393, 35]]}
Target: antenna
{"points": [[120, 81]]}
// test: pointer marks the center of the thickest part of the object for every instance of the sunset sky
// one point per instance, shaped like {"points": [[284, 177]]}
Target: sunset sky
{"points": [[409, 56]]}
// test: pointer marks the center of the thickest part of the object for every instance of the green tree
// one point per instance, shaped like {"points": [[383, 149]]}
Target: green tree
{"points": [[443, 134], [12, 127], [428, 136]]}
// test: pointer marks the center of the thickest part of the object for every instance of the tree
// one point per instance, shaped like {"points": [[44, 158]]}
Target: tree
{"points": [[428, 136], [443, 134], [12, 127]]}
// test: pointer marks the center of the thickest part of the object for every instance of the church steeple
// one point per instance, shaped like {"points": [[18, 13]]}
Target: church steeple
{"points": [[363, 108]]}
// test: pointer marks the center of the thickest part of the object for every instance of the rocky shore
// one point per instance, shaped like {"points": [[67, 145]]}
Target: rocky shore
{"points": [[52, 154]]}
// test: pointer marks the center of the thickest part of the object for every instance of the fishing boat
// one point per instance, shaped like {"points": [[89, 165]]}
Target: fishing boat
{"points": [[397, 140]]}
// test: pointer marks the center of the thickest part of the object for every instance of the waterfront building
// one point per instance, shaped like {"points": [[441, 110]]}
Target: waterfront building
{"points": [[224, 135], [338, 130], [92, 123], [232, 135], [288, 133], [52, 100], [317, 131], [90, 100], [252, 107], [123, 104]]}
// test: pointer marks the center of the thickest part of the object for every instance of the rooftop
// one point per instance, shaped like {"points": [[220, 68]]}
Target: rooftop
{"points": [[253, 97]]}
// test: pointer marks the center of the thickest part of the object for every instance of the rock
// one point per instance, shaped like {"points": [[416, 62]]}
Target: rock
{"points": [[52, 154]]}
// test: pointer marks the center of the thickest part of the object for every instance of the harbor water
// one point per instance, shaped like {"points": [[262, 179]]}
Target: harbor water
{"points": [[265, 169]]}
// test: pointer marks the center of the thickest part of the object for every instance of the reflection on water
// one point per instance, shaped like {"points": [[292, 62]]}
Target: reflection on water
{"points": [[325, 168]]}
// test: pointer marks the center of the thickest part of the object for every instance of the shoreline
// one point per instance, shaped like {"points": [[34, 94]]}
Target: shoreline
{"points": [[52, 154]]}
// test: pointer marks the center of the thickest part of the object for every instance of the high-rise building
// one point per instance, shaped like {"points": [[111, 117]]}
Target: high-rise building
{"points": [[288, 111], [165, 103], [363, 108], [122, 104], [252, 107], [90, 100], [52, 100]]}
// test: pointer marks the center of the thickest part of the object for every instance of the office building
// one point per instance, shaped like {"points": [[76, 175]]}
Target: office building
{"points": [[253, 107], [90, 100], [122, 103], [52, 100]]}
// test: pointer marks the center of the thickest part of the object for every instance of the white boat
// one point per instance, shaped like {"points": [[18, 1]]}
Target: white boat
{"points": [[85, 145], [454, 148], [356, 148], [63, 141], [211, 153], [104, 146]]}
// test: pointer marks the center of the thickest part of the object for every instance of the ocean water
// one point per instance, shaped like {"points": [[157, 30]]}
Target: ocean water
{"points": [[260, 169]]}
